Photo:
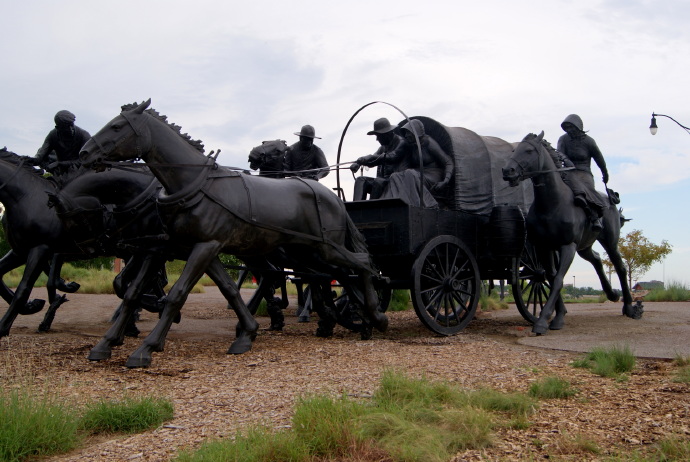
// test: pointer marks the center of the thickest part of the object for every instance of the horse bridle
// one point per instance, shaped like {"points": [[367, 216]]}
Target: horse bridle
{"points": [[531, 175], [137, 133]]}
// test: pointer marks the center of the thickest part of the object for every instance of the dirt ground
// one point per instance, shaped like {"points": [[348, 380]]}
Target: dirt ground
{"points": [[216, 394]]}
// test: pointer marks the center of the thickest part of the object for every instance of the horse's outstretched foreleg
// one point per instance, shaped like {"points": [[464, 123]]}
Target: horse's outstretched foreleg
{"points": [[115, 335], [34, 265], [9, 262], [199, 259], [53, 298], [247, 326], [593, 257], [554, 302]]}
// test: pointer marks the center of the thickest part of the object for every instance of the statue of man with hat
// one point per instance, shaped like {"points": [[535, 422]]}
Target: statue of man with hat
{"points": [[304, 158], [60, 150], [389, 141]]}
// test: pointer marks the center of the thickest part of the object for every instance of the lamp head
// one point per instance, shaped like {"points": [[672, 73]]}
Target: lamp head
{"points": [[653, 128]]}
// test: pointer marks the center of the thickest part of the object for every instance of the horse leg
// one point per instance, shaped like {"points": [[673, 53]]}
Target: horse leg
{"points": [[54, 299], [566, 254], [116, 333], [593, 257], [247, 327], [200, 257], [629, 309], [34, 266], [11, 261]]}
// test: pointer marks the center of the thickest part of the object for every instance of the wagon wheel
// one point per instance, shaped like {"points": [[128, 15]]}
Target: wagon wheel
{"points": [[531, 289], [445, 290], [349, 311]]}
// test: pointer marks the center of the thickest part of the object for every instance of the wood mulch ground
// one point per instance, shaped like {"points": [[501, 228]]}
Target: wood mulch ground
{"points": [[216, 394]]}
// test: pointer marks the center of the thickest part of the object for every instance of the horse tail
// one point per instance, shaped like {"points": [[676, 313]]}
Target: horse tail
{"points": [[622, 218], [355, 243], [354, 240]]}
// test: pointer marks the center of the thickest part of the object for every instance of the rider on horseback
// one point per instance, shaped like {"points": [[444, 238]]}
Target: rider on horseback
{"points": [[60, 150], [580, 149]]}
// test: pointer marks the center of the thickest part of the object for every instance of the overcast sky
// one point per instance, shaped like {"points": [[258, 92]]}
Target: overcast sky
{"points": [[235, 73]]}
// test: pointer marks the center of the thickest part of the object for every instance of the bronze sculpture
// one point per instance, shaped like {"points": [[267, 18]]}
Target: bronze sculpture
{"points": [[38, 235], [389, 141], [60, 150], [581, 149], [209, 209], [438, 168], [555, 223], [304, 159]]}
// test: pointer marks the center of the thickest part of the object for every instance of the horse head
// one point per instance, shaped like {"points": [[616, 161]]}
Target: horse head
{"points": [[526, 161], [268, 156], [123, 138]]}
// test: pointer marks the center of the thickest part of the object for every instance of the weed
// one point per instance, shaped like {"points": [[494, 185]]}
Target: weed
{"points": [[608, 362], [129, 415], [552, 387]]}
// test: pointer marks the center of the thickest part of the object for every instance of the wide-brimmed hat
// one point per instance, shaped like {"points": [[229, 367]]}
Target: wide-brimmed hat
{"points": [[381, 125], [309, 131]]}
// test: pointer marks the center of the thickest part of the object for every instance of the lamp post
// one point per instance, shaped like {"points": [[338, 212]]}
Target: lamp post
{"points": [[653, 128], [573, 282]]}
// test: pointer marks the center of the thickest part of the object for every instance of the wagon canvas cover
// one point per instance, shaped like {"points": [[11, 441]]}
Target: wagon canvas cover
{"points": [[479, 185]]}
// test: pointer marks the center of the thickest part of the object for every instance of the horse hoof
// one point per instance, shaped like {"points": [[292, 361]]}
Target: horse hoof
{"points": [[32, 307], [240, 346], [540, 329], [615, 296], [366, 333], [138, 360], [323, 333], [556, 323], [99, 354], [634, 311], [43, 328], [381, 322]]}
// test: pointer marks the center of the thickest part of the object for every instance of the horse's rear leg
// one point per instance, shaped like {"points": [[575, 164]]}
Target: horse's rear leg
{"points": [[34, 266], [115, 335], [593, 257], [199, 259], [247, 326]]}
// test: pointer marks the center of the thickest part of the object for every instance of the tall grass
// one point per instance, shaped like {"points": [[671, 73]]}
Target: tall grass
{"points": [[612, 362], [674, 291], [127, 415], [35, 423], [405, 420]]}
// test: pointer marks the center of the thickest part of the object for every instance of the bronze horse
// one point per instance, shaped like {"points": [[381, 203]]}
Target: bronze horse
{"points": [[555, 223], [33, 231], [38, 236], [210, 209]]}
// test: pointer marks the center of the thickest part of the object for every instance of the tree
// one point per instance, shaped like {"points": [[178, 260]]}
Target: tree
{"points": [[639, 254]]}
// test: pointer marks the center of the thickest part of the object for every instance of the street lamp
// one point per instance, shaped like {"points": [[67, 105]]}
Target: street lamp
{"points": [[653, 128], [573, 282]]}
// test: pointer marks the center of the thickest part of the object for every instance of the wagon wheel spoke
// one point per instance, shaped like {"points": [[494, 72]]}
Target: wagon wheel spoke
{"points": [[445, 285]]}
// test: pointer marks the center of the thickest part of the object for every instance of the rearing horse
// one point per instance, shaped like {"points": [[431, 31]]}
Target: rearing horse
{"points": [[209, 209], [555, 223]]}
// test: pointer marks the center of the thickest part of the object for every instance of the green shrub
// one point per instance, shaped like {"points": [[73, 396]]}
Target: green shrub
{"points": [[129, 415]]}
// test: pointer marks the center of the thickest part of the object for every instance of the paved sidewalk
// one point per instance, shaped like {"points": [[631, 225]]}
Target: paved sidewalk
{"points": [[663, 331]]}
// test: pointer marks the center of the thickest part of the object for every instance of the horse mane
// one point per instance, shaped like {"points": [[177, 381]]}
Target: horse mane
{"points": [[554, 154], [16, 159], [196, 144]]}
